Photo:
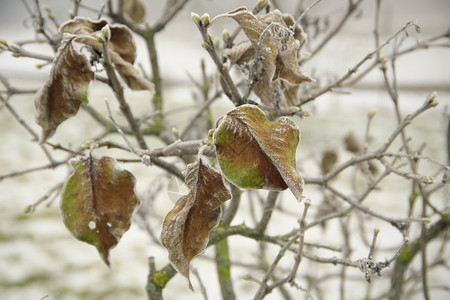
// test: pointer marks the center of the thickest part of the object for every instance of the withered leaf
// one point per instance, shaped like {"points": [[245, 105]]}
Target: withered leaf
{"points": [[122, 48], [135, 9], [121, 41], [130, 74], [240, 53], [186, 228], [255, 153], [280, 49], [61, 96], [98, 202]]}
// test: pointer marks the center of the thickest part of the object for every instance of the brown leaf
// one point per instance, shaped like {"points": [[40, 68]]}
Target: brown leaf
{"points": [[186, 228], [352, 143], [61, 96], [122, 48], [280, 49], [130, 74], [121, 41], [241, 53], [135, 9], [256, 153], [329, 159], [98, 203]]}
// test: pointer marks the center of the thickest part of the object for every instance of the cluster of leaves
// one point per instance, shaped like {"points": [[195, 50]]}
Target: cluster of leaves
{"points": [[274, 44], [254, 153], [66, 88]]}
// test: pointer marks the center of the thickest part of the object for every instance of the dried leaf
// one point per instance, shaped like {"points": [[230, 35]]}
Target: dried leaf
{"points": [[241, 53], [329, 159], [256, 153], [130, 74], [98, 202], [122, 48], [186, 228], [352, 143], [135, 9], [280, 49], [121, 41], [61, 96]]}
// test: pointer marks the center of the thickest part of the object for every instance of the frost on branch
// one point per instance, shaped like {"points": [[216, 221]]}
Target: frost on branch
{"points": [[256, 153], [61, 96], [98, 202], [186, 228], [279, 52]]}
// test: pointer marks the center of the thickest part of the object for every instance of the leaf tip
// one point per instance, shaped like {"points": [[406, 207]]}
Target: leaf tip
{"points": [[104, 254]]}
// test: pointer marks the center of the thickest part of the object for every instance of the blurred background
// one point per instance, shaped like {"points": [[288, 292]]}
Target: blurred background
{"points": [[38, 257]]}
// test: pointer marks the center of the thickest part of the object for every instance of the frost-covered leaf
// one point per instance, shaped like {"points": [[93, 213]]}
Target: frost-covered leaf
{"points": [[61, 96], [279, 52], [98, 202], [130, 74], [240, 53], [122, 48], [121, 41], [135, 9], [186, 228], [255, 153]]}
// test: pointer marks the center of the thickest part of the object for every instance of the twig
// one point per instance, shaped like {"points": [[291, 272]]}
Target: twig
{"points": [[356, 67], [370, 267], [55, 189], [255, 10], [76, 6], [223, 264], [157, 99], [95, 115], [399, 223], [229, 86], [298, 257], [198, 114], [32, 169], [119, 130], [118, 91], [268, 209], [263, 287], [157, 280], [233, 206], [19, 51], [303, 14], [202, 286], [351, 8], [154, 291], [167, 17], [422, 45], [39, 23], [372, 245], [27, 128], [429, 103]]}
